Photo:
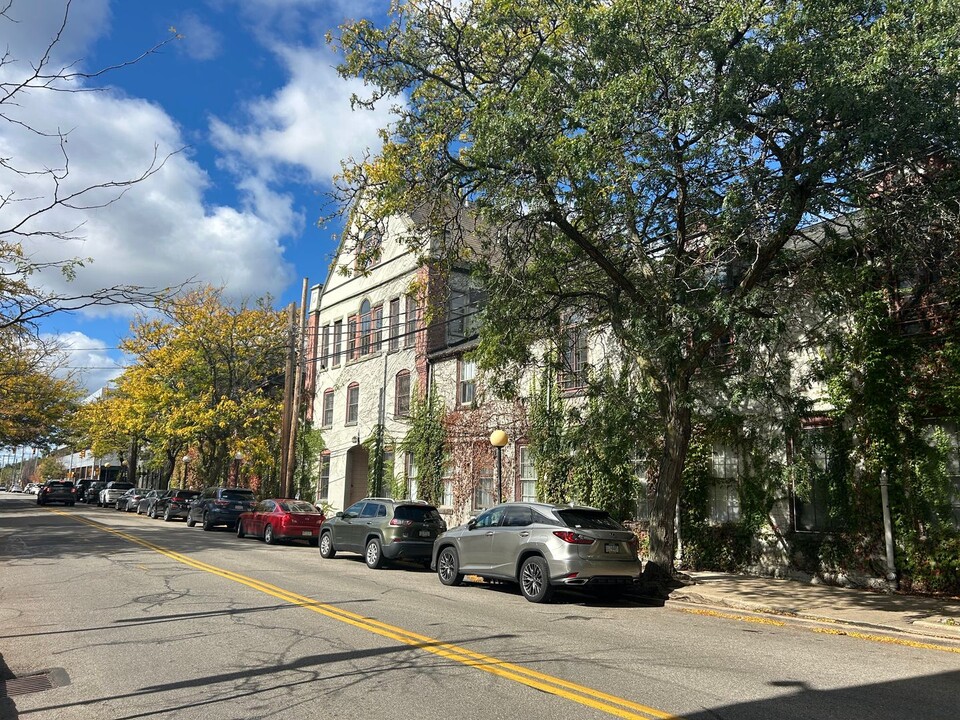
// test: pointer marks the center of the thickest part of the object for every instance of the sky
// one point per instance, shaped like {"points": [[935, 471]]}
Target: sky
{"points": [[249, 102]]}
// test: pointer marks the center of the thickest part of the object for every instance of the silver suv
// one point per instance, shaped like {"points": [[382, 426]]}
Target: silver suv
{"points": [[541, 547], [112, 492]]}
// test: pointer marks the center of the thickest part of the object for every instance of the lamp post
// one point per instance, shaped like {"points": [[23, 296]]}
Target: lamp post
{"points": [[498, 438], [237, 459], [186, 470]]}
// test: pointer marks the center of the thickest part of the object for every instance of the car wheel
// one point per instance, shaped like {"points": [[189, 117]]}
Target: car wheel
{"points": [[327, 550], [240, 532], [207, 522], [374, 554], [535, 580], [448, 567], [167, 517], [138, 510], [152, 512], [190, 521], [268, 537]]}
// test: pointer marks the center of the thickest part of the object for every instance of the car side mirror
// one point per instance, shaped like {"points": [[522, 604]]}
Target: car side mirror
{"points": [[471, 523], [340, 514]]}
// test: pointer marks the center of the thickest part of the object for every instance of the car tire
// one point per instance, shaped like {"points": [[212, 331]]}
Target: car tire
{"points": [[448, 567], [138, 510], [268, 537], [373, 554], [152, 512], [327, 550], [190, 521], [240, 533], [167, 517], [207, 522], [535, 580]]}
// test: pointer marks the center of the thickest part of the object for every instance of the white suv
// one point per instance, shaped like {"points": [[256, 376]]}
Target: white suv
{"points": [[112, 492]]}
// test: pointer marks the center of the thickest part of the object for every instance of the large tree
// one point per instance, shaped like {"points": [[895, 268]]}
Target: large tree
{"points": [[651, 167]]}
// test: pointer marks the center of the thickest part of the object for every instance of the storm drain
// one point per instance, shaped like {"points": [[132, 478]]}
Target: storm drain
{"points": [[33, 683]]}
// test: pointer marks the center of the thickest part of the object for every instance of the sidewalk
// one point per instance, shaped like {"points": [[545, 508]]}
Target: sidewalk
{"points": [[863, 609]]}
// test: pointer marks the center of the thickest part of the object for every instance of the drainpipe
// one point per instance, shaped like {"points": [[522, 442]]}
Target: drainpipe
{"points": [[887, 526]]}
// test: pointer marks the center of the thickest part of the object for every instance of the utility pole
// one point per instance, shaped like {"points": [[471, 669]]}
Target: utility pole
{"points": [[285, 422], [295, 357]]}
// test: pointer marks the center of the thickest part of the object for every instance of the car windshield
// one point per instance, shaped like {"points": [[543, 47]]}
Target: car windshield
{"points": [[589, 519], [416, 513], [186, 493], [121, 486], [237, 495], [298, 506]]}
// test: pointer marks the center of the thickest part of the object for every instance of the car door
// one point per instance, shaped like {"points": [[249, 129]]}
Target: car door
{"points": [[370, 515], [509, 537], [347, 528], [263, 513], [476, 544]]}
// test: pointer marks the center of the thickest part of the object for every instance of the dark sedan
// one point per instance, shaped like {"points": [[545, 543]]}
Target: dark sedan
{"points": [[176, 504], [149, 501], [281, 519]]}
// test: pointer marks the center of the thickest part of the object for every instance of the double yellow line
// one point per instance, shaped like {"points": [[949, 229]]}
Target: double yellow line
{"points": [[589, 697]]}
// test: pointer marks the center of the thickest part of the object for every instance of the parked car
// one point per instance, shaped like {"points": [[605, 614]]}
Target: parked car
{"points": [[16, 488], [541, 547], [220, 506], [383, 529], [32, 488], [281, 519], [176, 504], [146, 503], [57, 491], [82, 486], [129, 500], [92, 493], [111, 492]]}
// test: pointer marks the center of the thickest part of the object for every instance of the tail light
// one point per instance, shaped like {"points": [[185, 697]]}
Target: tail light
{"points": [[221, 503], [574, 538], [401, 523], [73, 490]]}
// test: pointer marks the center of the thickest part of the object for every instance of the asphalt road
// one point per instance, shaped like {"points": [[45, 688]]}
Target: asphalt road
{"points": [[136, 618]]}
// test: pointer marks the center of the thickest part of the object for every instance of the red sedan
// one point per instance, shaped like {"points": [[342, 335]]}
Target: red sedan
{"points": [[279, 519]]}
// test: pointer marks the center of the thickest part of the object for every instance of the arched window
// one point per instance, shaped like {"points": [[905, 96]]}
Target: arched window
{"points": [[401, 400], [353, 403], [326, 417]]}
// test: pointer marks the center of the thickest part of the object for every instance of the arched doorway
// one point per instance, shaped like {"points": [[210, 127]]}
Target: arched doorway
{"points": [[358, 473]]}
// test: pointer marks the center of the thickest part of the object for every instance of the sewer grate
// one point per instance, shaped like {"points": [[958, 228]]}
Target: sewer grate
{"points": [[37, 682]]}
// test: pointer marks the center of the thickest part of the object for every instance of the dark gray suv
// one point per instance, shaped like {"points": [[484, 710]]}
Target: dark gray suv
{"points": [[220, 506], [383, 529]]}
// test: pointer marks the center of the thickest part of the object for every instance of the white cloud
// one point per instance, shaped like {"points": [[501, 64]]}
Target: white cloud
{"points": [[199, 40], [307, 124], [86, 359]]}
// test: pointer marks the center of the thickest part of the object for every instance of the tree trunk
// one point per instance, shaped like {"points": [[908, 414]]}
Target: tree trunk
{"points": [[675, 408]]}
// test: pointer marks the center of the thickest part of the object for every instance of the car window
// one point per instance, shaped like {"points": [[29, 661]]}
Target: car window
{"points": [[416, 513], [237, 495], [517, 517], [299, 506], [381, 511], [354, 509], [119, 485], [186, 494], [589, 519], [491, 518], [370, 510]]}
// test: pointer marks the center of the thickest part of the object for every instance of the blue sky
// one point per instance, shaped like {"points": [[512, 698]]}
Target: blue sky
{"points": [[249, 92]]}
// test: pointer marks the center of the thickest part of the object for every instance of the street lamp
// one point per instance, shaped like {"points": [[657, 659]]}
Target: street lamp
{"points": [[186, 470], [499, 440], [237, 459]]}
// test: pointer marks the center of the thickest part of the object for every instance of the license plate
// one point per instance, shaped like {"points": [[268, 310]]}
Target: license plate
{"points": [[611, 547], [307, 533], [424, 533], [238, 507]]}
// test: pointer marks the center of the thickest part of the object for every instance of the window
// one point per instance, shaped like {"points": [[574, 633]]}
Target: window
{"points": [[365, 328], [410, 471], [325, 346], [327, 415], [369, 249], [483, 495], [352, 337], [463, 313], [323, 491], [528, 476], [411, 331], [393, 331], [467, 385], [401, 406], [378, 328], [353, 403], [724, 491], [337, 342], [573, 371], [447, 493]]}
